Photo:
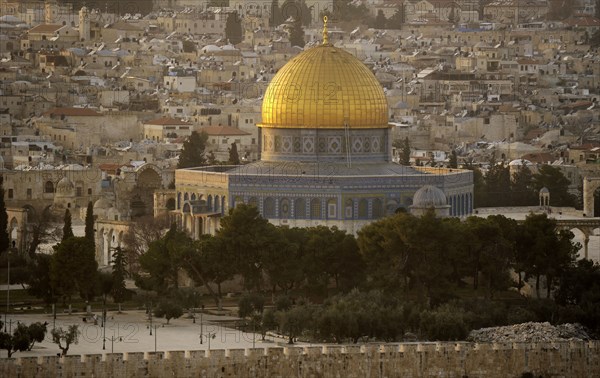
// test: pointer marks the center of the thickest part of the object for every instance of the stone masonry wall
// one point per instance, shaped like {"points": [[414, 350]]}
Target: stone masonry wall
{"points": [[567, 359]]}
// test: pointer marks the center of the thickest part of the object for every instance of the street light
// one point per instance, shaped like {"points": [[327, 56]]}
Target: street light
{"points": [[8, 289], [201, 319], [210, 335], [103, 328], [150, 314], [112, 342]]}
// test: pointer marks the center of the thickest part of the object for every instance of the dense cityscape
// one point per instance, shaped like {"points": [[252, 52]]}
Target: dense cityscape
{"points": [[300, 188]]}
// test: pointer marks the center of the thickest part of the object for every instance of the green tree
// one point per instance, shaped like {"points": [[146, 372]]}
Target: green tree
{"points": [[453, 16], [246, 235], [40, 284], [210, 263], [89, 223], [73, 268], [521, 187], [444, 323], [36, 332], [233, 28], [4, 240], [453, 160], [294, 321], [40, 228], [405, 152], [276, 18], [17, 342], [380, 20], [192, 153], [164, 259], [579, 292], [169, 310], [281, 261], [67, 228], [553, 179], [234, 158], [497, 185], [68, 337], [250, 304], [119, 292], [397, 19], [385, 249], [297, 33], [544, 251]]}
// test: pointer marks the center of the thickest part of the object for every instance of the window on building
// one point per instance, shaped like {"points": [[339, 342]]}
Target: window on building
{"points": [[29, 193], [10, 193], [315, 208], [89, 191], [48, 187], [79, 191]]}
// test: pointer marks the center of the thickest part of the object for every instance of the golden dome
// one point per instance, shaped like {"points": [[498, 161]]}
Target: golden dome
{"points": [[324, 87]]}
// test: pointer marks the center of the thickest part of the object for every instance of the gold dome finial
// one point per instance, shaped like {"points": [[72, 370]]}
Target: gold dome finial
{"points": [[325, 36]]}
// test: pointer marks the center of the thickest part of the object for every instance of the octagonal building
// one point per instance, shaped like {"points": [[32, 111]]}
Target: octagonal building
{"points": [[326, 149]]}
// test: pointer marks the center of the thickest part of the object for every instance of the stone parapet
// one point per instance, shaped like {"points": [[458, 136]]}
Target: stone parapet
{"points": [[570, 359]]}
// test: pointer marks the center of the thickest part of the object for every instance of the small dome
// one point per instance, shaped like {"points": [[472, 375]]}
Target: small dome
{"points": [[520, 162], [544, 190], [102, 203], [65, 185], [429, 196]]}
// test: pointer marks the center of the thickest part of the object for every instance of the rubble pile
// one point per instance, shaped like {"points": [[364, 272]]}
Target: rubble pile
{"points": [[530, 332]]}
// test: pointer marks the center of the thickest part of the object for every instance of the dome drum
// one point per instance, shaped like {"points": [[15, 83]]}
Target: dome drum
{"points": [[358, 145]]}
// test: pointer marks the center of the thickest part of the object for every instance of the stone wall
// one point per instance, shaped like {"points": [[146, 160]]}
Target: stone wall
{"points": [[568, 359]]}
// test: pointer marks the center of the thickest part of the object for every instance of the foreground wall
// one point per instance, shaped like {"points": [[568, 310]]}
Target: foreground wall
{"points": [[570, 359]]}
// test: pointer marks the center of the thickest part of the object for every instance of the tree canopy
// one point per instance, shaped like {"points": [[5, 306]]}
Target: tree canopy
{"points": [[192, 153]]}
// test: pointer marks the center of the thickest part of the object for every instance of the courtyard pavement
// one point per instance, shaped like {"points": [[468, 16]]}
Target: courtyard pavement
{"points": [[130, 332]]}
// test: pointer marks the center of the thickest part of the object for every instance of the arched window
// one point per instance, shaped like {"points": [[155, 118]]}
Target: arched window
{"points": [[349, 209], [300, 208], [253, 201], [377, 208], [238, 200], [48, 187], [217, 204], [284, 208], [315, 208], [331, 209], [363, 209], [186, 197], [179, 200], [223, 205], [171, 204], [209, 202], [193, 196], [269, 208]]}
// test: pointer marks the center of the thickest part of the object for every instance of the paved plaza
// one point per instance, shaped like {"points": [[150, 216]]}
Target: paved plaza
{"points": [[131, 333]]}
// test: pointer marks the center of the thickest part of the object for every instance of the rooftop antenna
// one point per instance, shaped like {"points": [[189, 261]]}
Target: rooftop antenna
{"points": [[325, 36]]}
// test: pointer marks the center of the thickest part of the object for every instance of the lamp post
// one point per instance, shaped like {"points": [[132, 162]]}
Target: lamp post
{"points": [[155, 329], [104, 326], [112, 342], [201, 319], [150, 314], [7, 289]]}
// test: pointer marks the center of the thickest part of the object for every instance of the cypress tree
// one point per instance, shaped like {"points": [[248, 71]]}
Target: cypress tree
{"points": [[4, 241], [297, 34], [67, 228], [233, 28], [192, 153], [234, 157], [89, 223]]}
